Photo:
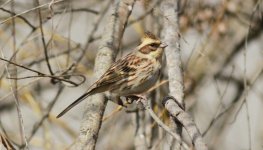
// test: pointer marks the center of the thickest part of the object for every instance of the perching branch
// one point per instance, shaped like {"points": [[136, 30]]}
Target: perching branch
{"points": [[174, 109]]}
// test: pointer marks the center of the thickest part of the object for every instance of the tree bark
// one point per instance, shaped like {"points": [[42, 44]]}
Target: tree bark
{"points": [[174, 67]]}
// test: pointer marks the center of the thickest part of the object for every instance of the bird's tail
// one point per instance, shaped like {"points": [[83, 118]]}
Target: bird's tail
{"points": [[77, 101]]}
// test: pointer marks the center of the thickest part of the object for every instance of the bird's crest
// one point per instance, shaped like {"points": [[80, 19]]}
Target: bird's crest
{"points": [[149, 35]]}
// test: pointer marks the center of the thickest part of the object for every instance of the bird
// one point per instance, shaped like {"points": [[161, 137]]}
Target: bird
{"points": [[131, 75]]}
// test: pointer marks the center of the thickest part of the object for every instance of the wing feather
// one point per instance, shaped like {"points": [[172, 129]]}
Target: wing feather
{"points": [[118, 72]]}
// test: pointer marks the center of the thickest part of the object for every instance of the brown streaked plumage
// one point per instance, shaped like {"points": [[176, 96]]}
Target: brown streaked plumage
{"points": [[133, 74]]}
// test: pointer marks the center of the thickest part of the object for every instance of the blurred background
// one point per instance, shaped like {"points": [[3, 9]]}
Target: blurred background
{"points": [[222, 55]]}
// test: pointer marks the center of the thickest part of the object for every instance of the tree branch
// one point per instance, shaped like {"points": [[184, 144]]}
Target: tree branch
{"points": [[173, 56], [161, 124], [107, 52], [174, 108]]}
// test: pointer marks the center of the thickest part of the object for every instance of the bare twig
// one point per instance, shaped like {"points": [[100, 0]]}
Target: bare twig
{"points": [[37, 61], [245, 77], [45, 115], [78, 10], [40, 74], [94, 29], [14, 87], [43, 39], [243, 88], [21, 17], [4, 142], [29, 10], [148, 11], [205, 57], [241, 97], [69, 31]]}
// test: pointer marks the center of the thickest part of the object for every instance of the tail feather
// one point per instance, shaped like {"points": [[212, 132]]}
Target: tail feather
{"points": [[77, 101]]}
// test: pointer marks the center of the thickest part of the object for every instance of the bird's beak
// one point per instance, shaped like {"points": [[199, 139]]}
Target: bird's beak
{"points": [[163, 45]]}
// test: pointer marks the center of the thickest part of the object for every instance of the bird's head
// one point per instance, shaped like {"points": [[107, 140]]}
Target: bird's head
{"points": [[151, 46]]}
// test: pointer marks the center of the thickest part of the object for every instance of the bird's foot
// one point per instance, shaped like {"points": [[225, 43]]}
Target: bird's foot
{"points": [[138, 98]]}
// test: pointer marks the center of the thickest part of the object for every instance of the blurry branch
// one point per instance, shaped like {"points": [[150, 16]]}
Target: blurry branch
{"points": [[91, 37], [236, 106], [219, 48], [40, 74], [8, 106], [242, 87], [77, 10], [45, 116], [239, 98], [21, 17], [4, 142], [171, 37], [37, 61], [69, 31], [107, 52], [148, 11], [43, 39], [29, 10], [14, 85], [6, 134], [255, 33], [55, 13], [245, 91]]}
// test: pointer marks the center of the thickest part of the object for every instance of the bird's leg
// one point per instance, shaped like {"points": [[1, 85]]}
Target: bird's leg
{"points": [[140, 98], [136, 97], [116, 99]]}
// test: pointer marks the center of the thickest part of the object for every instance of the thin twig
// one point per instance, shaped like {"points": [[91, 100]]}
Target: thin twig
{"points": [[43, 39], [45, 116], [40, 74], [78, 10], [21, 17], [14, 90], [149, 11], [240, 98], [29, 10]]}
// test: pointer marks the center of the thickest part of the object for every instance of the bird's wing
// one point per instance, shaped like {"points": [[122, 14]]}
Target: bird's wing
{"points": [[119, 72]]}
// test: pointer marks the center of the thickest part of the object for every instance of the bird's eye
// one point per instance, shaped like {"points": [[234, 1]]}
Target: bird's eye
{"points": [[154, 45]]}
